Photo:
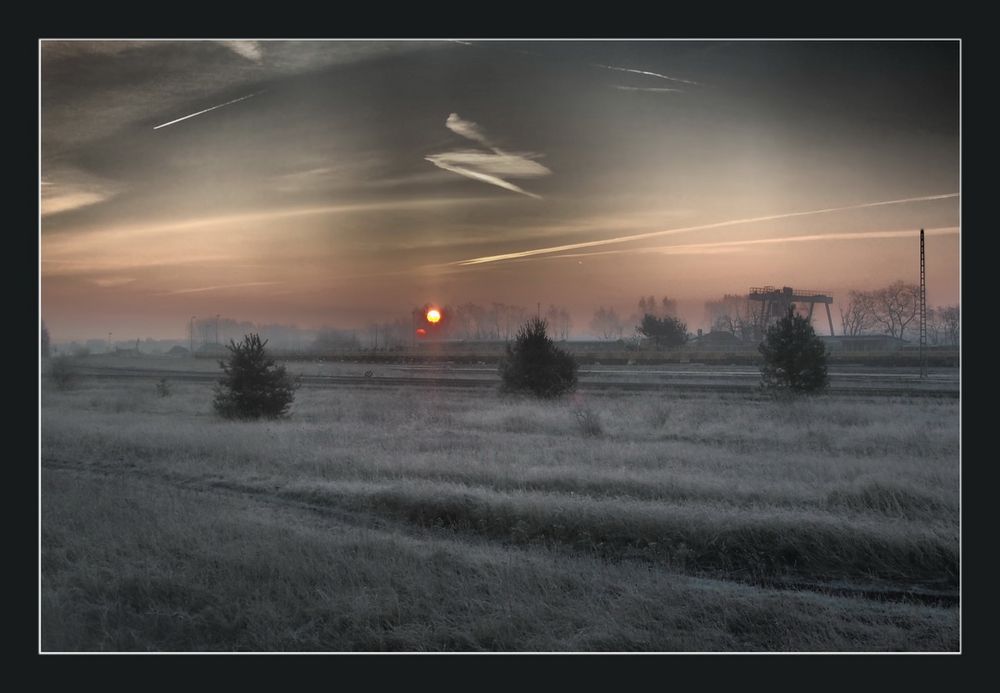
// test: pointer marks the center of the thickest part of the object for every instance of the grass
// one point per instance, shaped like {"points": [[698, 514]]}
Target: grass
{"points": [[409, 520]]}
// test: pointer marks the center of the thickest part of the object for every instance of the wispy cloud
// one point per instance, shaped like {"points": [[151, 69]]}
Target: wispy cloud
{"points": [[111, 282], [625, 88], [215, 288], [647, 74], [81, 191], [492, 167], [734, 246], [251, 50], [242, 98], [700, 227], [64, 202]]}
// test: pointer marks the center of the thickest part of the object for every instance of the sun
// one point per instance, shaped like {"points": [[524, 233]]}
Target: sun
{"points": [[433, 315]]}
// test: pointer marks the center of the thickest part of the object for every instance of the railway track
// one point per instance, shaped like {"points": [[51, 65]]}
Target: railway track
{"points": [[735, 383]]}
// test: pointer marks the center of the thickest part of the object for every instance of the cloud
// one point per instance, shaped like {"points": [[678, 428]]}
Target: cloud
{"points": [[64, 202], [700, 227], [624, 88], [110, 282], [242, 98], [491, 167], [215, 288], [466, 128], [647, 74], [251, 50], [73, 191]]}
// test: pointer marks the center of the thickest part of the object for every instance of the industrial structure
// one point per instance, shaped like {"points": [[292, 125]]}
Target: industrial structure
{"points": [[775, 302]]}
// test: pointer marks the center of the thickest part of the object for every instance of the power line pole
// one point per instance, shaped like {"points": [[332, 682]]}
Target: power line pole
{"points": [[923, 310]]}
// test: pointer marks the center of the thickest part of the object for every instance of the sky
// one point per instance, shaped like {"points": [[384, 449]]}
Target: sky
{"points": [[340, 183]]}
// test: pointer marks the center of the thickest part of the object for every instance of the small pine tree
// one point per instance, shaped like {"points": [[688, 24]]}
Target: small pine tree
{"points": [[252, 385], [794, 357], [534, 364]]}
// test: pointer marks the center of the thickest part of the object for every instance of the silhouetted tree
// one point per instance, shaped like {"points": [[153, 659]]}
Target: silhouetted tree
{"points": [[606, 323], [534, 364], [252, 385], [665, 331], [794, 357]]}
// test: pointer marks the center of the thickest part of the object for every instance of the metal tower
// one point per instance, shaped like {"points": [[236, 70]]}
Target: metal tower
{"points": [[923, 310]]}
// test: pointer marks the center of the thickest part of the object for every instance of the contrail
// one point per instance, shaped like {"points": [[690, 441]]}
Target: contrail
{"points": [[242, 98], [649, 74], [694, 248], [668, 232]]}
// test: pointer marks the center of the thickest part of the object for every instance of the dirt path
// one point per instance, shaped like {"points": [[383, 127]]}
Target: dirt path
{"points": [[341, 519]]}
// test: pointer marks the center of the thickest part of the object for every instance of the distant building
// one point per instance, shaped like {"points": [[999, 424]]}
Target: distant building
{"points": [[716, 340], [864, 342]]}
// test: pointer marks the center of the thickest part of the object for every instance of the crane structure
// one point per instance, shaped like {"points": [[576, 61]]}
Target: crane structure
{"points": [[777, 301]]}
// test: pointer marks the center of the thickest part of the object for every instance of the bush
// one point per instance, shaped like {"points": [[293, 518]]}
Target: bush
{"points": [[252, 385], [163, 387], [794, 357], [534, 364], [63, 372], [663, 332]]}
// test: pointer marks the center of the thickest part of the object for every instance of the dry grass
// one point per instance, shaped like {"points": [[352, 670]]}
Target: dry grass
{"points": [[442, 520]]}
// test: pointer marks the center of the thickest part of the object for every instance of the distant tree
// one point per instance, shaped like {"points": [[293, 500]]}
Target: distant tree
{"points": [[665, 331], [736, 314], [895, 307], [794, 357], [950, 319], [858, 316], [534, 364], [252, 385], [606, 323], [559, 321], [63, 372], [45, 348]]}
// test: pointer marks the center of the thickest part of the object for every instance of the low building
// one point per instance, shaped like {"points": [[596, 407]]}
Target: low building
{"points": [[864, 342]]}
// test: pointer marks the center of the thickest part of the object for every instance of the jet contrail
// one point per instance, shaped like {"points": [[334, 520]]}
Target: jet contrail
{"points": [[648, 74], [242, 98], [694, 248], [668, 232]]}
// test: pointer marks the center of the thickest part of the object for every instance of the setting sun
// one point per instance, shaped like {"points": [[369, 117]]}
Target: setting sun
{"points": [[433, 315]]}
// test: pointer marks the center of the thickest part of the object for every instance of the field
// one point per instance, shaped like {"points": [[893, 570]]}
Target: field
{"points": [[413, 519]]}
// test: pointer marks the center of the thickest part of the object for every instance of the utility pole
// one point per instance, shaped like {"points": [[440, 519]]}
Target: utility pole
{"points": [[191, 325], [109, 342], [923, 310], [216, 328]]}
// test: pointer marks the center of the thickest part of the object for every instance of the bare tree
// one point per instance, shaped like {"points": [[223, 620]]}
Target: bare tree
{"points": [[895, 307], [559, 321], [606, 323], [666, 308], [736, 314], [859, 316], [950, 319]]}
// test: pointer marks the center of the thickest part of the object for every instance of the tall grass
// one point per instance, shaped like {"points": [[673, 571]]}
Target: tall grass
{"points": [[692, 493]]}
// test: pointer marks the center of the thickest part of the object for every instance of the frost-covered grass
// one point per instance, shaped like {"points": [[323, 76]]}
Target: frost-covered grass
{"points": [[381, 519]]}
